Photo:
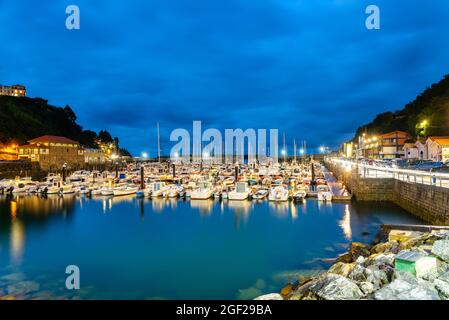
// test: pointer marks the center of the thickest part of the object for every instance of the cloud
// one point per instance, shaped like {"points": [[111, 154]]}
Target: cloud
{"points": [[309, 68]]}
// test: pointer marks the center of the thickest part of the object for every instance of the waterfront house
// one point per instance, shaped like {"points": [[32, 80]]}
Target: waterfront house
{"points": [[422, 149], [52, 152], [438, 148], [392, 144], [13, 91], [411, 151]]}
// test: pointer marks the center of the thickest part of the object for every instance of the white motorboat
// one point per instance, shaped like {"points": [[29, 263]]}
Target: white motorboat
{"points": [[125, 190], [299, 195], [240, 192], [324, 193], [67, 189], [107, 191], [260, 194], [155, 189], [278, 193], [203, 192]]}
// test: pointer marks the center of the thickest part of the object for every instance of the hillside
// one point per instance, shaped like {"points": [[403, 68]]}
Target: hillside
{"points": [[22, 119], [427, 115]]}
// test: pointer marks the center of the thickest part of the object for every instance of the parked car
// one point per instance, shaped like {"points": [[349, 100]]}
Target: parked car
{"points": [[428, 165], [399, 163]]}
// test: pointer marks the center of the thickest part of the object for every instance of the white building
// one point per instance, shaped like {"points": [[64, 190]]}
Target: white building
{"points": [[421, 146], [411, 151], [438, 148]]}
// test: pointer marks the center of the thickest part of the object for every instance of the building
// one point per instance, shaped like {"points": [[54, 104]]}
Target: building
{"points": [[385, 146], [438, 148], [392, 144], [52, 152], [422, 149], [13, 91], [411, 151], [8, 152], [94, 156], [348, 150]]}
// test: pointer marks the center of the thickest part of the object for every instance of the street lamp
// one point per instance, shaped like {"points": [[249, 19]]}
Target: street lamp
{"points": [[144, 155], [322, 149]]}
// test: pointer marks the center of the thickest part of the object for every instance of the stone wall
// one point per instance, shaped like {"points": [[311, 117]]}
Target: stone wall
{"points": [[12, 169], [372, 189], [429, 203]]}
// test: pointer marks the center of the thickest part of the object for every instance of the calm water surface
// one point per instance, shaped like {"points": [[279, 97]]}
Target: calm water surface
{"points": [[129, 248]]}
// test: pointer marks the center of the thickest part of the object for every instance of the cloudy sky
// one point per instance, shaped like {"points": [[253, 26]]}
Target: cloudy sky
{"points": [[307, 67]]}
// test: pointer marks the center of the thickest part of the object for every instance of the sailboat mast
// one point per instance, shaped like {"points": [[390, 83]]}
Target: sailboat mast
{"points": [[285, 150], [294, 149], [158, 143]]}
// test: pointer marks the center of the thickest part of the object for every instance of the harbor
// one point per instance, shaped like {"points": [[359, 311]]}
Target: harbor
{"points": [[130, 247], [203, 152], [234, 182], [194, 218]]}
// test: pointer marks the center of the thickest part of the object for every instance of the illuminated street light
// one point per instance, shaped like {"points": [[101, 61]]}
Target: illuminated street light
{"points": [[283, 152], [144, 155], [322, 149], [301, 151]]}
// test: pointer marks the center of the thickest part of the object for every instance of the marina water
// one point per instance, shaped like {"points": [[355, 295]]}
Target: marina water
{"points": [[131, 248]]}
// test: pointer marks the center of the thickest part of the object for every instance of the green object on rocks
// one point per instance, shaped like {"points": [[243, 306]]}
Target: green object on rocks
{"points": [[406, 261]]}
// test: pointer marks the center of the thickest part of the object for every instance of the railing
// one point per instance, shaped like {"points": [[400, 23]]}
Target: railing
{"points": [[411, 176]]}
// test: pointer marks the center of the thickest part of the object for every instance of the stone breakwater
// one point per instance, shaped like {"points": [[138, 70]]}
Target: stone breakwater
{"points": [[408, 265]]}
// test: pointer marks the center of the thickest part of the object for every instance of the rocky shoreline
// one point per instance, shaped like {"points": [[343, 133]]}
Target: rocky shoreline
{"points": [[400, 265]]}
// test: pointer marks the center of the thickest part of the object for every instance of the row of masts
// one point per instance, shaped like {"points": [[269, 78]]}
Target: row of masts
{"points": [[285, 152]]}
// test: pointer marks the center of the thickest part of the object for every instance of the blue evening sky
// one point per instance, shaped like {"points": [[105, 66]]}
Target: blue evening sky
{"points": [[307, 67]]}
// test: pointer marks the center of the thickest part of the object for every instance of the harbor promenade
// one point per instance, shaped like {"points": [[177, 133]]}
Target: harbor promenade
{"points": [[422, 193]]}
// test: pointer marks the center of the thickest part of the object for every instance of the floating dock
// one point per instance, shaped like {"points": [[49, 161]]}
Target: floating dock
{"points": [[339, 192]]}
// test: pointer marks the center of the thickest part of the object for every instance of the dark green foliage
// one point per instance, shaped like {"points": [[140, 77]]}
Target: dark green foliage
{"points": [[125, 153], [432, 106], [22, 119]]}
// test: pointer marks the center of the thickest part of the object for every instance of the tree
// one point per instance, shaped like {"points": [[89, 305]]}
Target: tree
{"points": [[70, 114], [105, 136]]}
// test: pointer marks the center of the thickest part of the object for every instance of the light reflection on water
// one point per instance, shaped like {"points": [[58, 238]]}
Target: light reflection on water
{"points": [[131, 248]]}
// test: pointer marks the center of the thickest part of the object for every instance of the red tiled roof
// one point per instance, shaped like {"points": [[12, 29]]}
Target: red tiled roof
{"points": [[54, 139], [442, 141]]}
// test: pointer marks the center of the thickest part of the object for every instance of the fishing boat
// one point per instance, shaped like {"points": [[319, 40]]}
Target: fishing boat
{"points": [[203, 192], [324, 193], [240, 192], [278, 193]]}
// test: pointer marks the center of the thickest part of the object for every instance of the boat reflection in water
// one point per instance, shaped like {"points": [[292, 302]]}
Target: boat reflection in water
{"points": [[157, 246], [203, 206], [241, 210]]}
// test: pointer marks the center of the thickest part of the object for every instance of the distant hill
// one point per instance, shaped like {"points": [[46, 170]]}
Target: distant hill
{"points": [[427, 115], [22, 119]]}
